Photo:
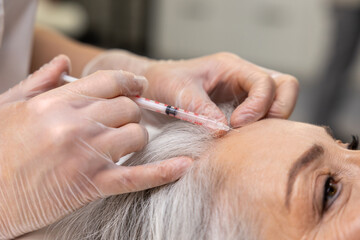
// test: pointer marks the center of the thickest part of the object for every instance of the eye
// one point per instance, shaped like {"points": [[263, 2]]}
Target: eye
{"points": [[331, 192]]}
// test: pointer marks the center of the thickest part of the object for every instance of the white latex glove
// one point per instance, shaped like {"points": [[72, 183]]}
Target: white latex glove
{"points": [[198, 84], [58, 147]]}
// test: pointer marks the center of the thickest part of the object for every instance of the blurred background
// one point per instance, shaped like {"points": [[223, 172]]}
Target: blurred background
{"points": [[314, 40]]}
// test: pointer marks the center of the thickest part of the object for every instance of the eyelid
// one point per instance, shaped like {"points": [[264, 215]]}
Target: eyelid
{"points": [[318, 195], [338, 192]]}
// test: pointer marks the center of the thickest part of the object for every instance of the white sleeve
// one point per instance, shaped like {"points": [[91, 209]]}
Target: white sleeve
{"points": [[1, 20]]}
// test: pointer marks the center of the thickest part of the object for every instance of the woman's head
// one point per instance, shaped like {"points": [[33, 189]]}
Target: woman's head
{"points": [[298, 180], [274, 179]]}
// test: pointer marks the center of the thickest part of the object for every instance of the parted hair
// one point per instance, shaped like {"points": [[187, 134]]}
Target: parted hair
{"points": [[197, 206]]}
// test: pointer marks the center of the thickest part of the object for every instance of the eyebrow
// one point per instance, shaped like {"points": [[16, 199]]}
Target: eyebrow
{"points": [[303, 161]]}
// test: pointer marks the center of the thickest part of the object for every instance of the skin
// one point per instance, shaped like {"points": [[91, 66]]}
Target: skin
{"points": [[190, 84], [59, 146], [195, 84], [258, 161], [259, 158]]}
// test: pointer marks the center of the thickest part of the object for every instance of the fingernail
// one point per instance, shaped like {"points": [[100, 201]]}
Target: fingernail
{"points": [[244, 120], [275, 75], [142, 80], [139, 78], [55, 59], [44, 66]]}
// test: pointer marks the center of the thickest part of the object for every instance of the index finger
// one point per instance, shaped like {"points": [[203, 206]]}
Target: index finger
{"points": [[121, 179], [261, 93], [109, 84]]}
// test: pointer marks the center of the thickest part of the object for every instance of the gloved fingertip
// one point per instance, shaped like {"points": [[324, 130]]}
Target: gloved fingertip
{"points": [[238, 120], [142, 80], [181, 165], [62, 60], [68, 63], [220, 117], [213, 112]]}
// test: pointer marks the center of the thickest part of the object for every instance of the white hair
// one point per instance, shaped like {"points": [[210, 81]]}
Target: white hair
{"points": [[195, 207]]}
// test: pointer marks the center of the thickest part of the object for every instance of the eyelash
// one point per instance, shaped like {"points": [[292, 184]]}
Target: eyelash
{"points": [[354, 143], [329, 200], [331, 186]]}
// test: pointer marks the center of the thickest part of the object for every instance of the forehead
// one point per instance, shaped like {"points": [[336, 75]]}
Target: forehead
{"points": [[263, 152], [273, 134], [270, 142], [258, 159], [273, 128]]}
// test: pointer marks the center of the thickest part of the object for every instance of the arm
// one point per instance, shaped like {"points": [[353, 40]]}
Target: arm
{"points": [[80, 129], [48, 44], [186, 84]]}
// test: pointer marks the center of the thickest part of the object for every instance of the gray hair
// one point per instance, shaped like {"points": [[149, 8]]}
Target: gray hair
{"points": [[195, 207]]}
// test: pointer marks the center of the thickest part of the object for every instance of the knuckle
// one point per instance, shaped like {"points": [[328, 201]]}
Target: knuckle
{"points": [[136, 114], [42, 105], [264, 80], [270, 81], [165, 174], [126, 181], [102, 74], [105, 76], [140, 132], [227, 55], [63, 132], [279, 111], [121, 81], [293, 81], [132, 109], [265, 77]]}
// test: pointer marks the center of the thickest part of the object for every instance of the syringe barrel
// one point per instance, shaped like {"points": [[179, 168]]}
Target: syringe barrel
{"points": [[150, 104], [180, 113], [201, 120], [169, 110]]}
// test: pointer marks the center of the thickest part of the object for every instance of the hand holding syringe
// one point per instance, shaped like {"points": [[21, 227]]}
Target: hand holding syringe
{"points": [[171, 111]]}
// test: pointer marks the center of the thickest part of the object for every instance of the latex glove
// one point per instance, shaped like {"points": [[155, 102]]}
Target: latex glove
{"points": [[198, 84], [58, 147]]}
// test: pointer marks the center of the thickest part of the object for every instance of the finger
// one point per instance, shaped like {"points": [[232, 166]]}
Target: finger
{"points": [[109, 84], [261, 93], [199, 102], [286, 96], [114, 112], [196, 100], [118, 142], [46, 78], [131, 179]]}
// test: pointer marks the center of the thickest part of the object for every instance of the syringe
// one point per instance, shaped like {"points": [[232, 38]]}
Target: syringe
{"points": [[162, 108]]}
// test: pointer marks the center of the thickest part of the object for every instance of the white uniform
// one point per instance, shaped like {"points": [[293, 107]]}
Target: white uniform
{"points": [[16, 33]]}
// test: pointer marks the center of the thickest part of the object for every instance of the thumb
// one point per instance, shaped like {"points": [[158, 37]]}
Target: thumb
{"points": [[122, 179], [44, 79], [109, 84]]}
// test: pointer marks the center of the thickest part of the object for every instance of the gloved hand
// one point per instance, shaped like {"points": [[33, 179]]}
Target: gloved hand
{"points": [[58, 147], [197, 84]]}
